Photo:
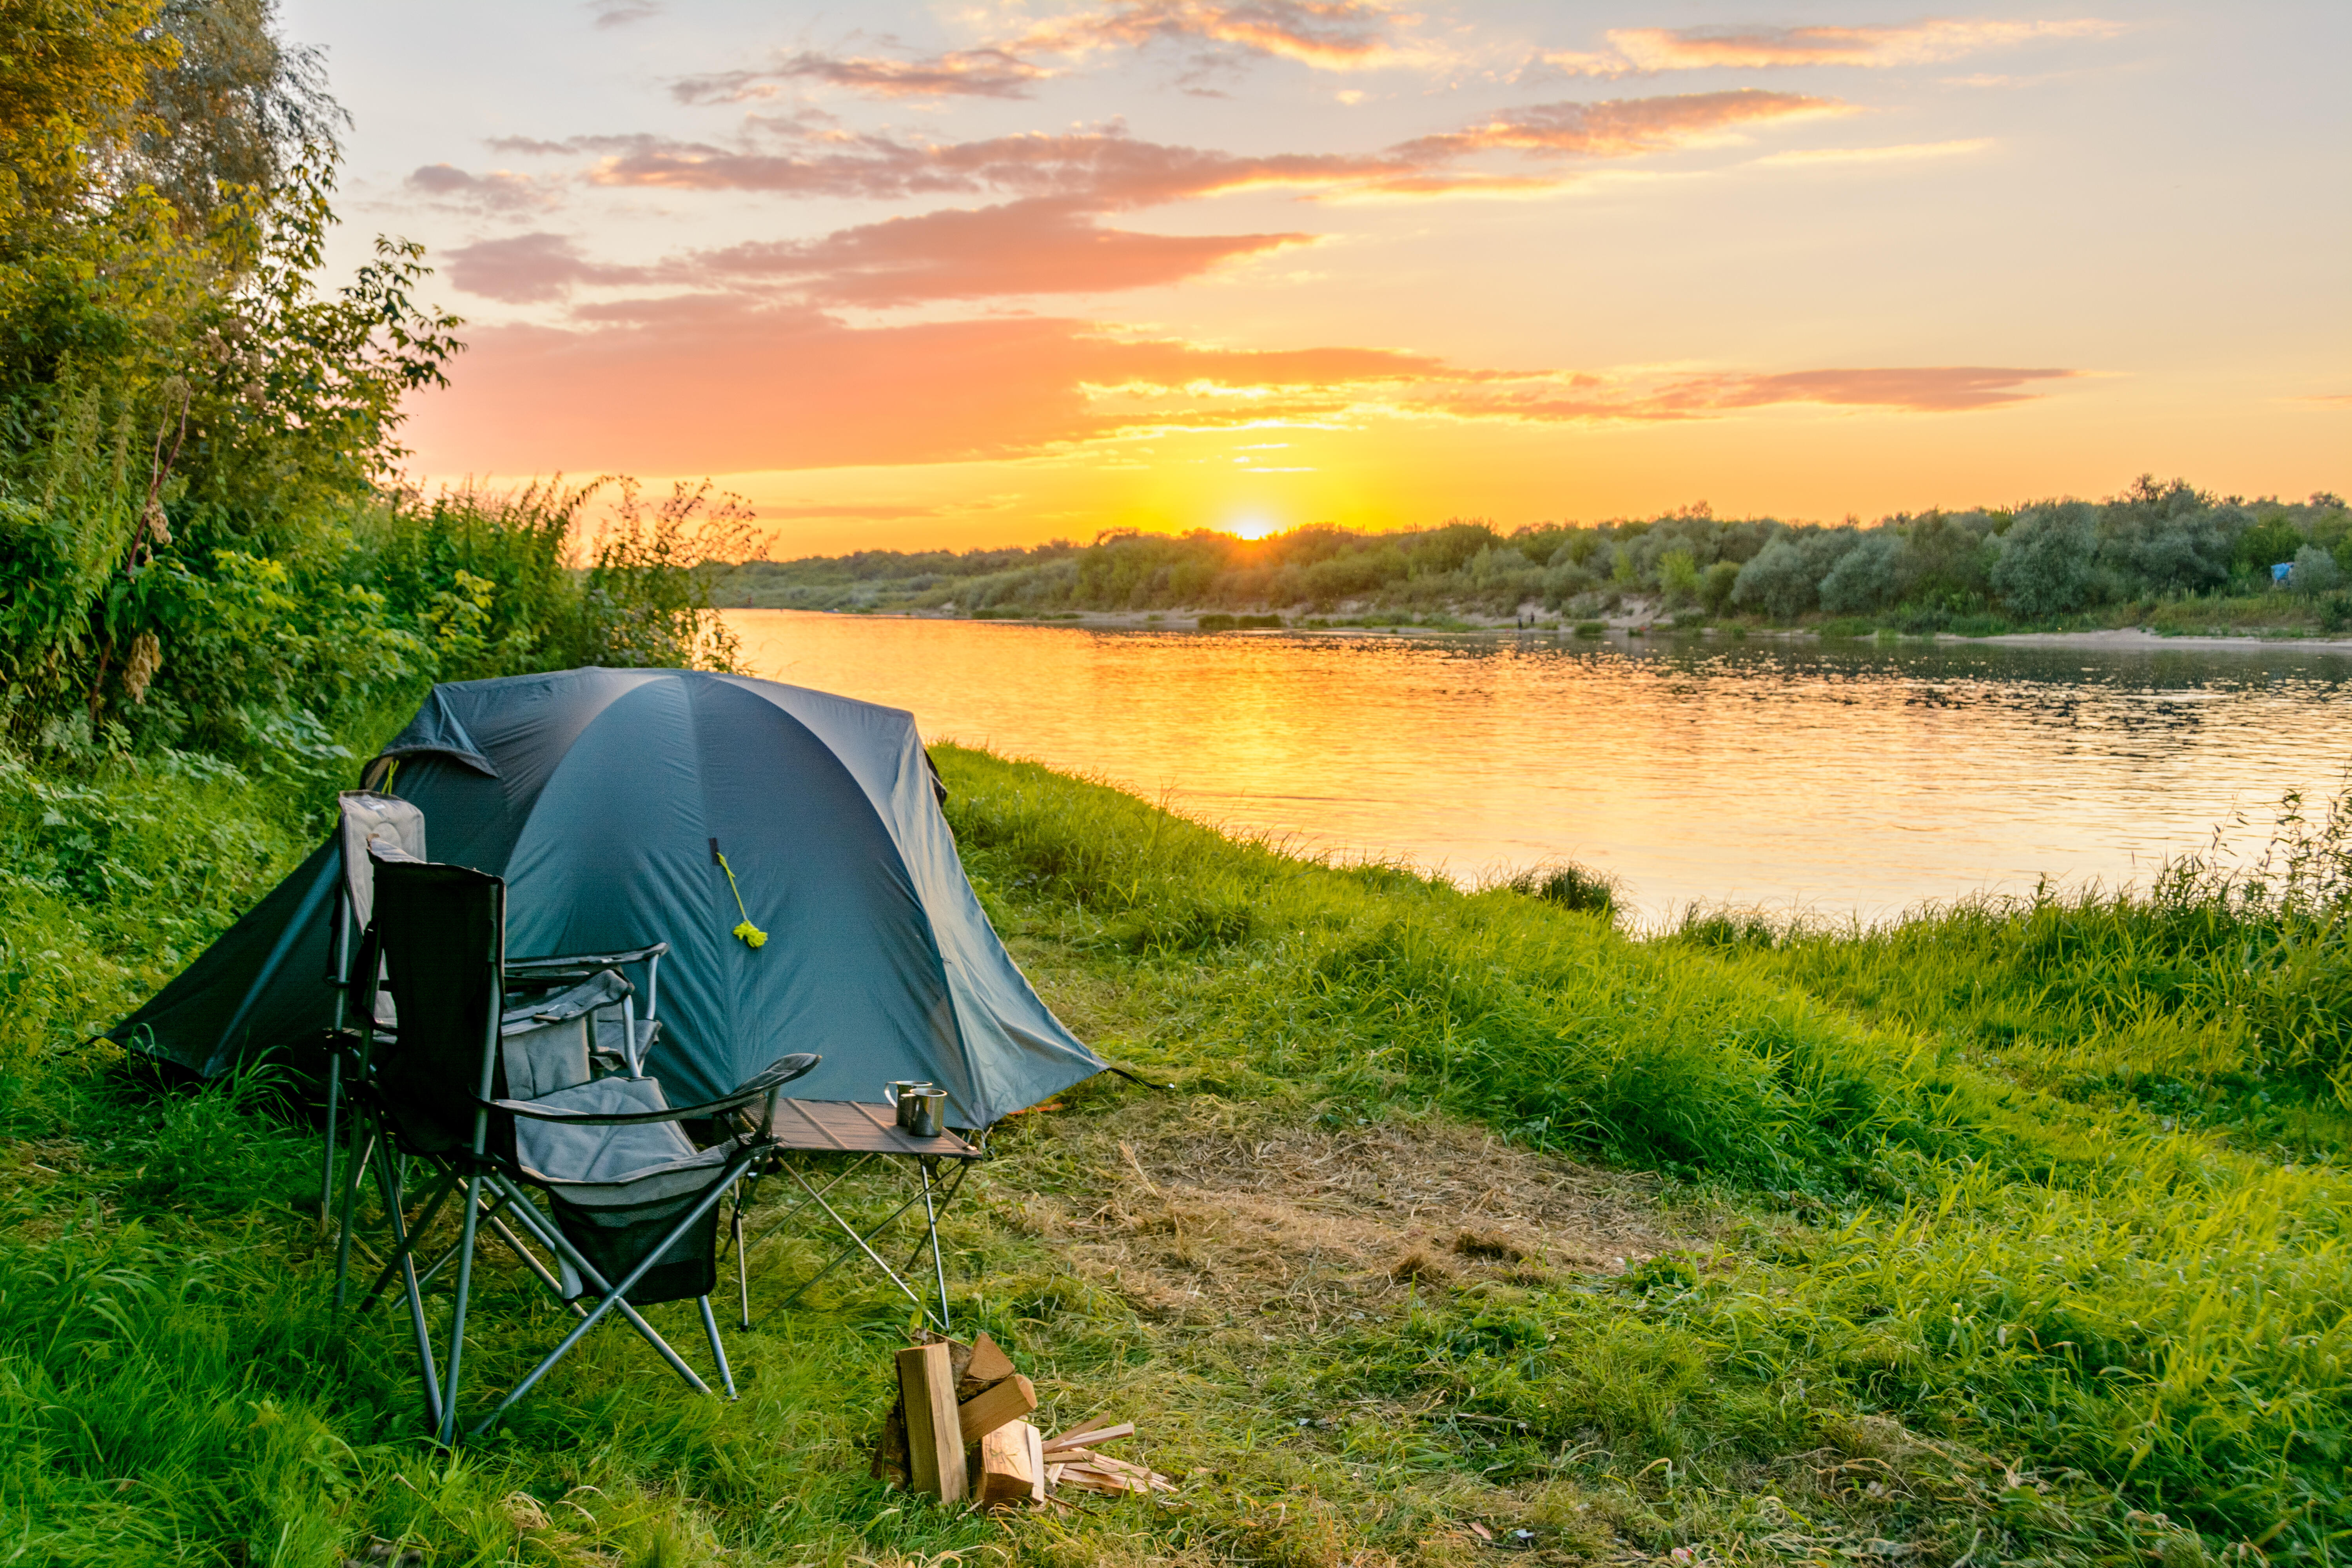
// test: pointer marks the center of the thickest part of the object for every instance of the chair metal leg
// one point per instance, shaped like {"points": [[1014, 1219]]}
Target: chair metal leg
{"points": [[617, 1295], [718, 1348], [353, 1179], [442, 1188], [327, 1154], [465, 1288], [388, 1179], [556, 1242]]}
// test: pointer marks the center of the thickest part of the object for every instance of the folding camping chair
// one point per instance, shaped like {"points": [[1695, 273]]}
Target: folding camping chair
{"points": [[367, 818], [504, 1103]]}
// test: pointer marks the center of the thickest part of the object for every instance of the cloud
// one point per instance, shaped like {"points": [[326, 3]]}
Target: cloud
{"points": [[966, 73], [1328, 34], [1110, 169], [1107, 169], [1616, 128], [529, 269], [706, 383], [500, 191], [1041, 245], [1647, 51], [621, 13]]}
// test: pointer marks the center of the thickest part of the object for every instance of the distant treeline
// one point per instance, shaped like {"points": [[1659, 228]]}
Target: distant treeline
{"points": [[2154, 545]]}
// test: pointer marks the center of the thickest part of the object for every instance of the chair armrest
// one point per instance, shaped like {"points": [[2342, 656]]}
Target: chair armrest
{"points": [[584, 962], [770, 1078]]}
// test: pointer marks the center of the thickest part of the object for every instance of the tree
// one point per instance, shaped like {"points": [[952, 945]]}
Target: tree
{"points": [[2047, 560], [1778, 583]]}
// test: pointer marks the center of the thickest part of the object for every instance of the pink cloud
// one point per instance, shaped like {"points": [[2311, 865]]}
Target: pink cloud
{"points": [[963, 73], [1640, 50], [528, 268], [694, 383], [1108, 168], [1329, 35], [700, 384], [500, 191], [1616, 128], [1037, 246]]}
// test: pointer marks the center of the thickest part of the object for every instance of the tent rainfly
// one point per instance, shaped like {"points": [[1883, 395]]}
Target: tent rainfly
{"points": [[605, 798]]}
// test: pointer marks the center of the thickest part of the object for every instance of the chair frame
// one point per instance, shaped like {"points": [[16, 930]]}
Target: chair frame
{"points": [[474, 1166]]}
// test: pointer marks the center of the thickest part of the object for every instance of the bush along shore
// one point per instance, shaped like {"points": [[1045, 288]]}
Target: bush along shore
{"points": [[2165, 556], [2007, 1231]]}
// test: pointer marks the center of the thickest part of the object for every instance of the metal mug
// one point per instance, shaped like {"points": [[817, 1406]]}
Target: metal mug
{"points": [[929, 1119], [902, 1093]]}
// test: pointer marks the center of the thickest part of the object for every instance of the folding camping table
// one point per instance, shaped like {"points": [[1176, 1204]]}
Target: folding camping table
{"points": [[865, 1135]]}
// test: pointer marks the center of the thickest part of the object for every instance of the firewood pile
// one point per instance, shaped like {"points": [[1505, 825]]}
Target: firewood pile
{"points": [[958, 1434]]}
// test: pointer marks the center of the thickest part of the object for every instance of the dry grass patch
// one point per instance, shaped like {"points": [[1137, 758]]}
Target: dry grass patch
{"points": [[1218, 1215]]}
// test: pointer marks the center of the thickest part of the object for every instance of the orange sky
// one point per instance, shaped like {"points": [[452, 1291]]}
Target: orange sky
{"points": [[910, 275]]}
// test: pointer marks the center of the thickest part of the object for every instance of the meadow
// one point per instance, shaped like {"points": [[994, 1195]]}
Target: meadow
{"points": [[2001, 1233], [2005, 1232]]}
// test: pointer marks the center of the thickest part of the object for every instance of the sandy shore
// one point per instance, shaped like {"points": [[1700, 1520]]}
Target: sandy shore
{"points": [[2127, 640], [2134, 640]]}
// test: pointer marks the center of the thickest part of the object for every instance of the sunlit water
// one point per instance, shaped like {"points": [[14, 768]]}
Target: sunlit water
{"points": [[1834, 778]]}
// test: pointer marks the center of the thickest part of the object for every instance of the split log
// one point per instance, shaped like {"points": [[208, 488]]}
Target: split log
{"points": [[994, 1405], [987, 1364], [1009, 1471], [935, 1442]]}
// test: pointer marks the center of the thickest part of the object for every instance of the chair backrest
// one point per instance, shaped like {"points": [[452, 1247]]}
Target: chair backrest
{"points": [[367, 819], [442, 930]]}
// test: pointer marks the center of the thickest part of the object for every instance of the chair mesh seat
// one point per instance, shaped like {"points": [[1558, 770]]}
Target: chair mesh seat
{"points": [[616, 1191]]}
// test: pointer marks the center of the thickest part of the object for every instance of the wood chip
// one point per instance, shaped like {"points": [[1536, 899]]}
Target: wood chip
{"points": [[1090, 1433]]}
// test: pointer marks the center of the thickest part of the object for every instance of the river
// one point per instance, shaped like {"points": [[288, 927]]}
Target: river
{"points": [[1834, 778]]}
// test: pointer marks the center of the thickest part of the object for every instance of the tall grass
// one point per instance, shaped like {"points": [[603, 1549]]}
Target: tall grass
{"points": [[1953, 1287], [2025, 1271]]}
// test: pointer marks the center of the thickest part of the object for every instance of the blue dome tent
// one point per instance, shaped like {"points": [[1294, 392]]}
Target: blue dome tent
{"points": [[606, 799]]}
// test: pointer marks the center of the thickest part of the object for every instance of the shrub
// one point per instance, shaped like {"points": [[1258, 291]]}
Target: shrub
{"points": [[1778, 583], [1868, 577], [2315, 572], [2046, 560]]}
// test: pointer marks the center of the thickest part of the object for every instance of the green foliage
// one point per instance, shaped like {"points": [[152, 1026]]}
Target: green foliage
{"points": [[2045, 565], [2155, 553]]}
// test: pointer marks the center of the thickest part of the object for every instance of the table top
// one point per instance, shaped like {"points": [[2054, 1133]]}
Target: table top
{"points": [[854, 1127]]}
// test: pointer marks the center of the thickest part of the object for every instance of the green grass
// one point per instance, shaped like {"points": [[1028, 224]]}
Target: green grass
{"points": [[2004, 1230]]}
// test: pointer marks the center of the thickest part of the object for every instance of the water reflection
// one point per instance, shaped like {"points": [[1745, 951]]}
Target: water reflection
{"points": [[1836, 778]]}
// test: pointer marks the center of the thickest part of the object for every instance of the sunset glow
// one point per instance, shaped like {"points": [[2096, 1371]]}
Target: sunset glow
{"points": [[923, 276]]}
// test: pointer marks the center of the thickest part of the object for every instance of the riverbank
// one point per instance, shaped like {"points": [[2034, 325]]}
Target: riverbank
{"points": [[1640, 623], [1464, 1212]]}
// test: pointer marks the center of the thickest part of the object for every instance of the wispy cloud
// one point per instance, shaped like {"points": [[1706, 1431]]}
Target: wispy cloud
{"points": [[1635, 51], [1328, 34], [1109, 170], [1617, 127], [1325, 35], [500, 191], [621, 13], [966, 73], [1043, 246], [532, 268]]}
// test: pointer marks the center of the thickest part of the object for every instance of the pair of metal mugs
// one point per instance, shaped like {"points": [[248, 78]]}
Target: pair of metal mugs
{"points": [[922, 1106]]}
